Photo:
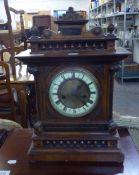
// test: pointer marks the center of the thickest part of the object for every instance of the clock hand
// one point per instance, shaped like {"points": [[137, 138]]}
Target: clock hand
{"points": [[83, 102]]}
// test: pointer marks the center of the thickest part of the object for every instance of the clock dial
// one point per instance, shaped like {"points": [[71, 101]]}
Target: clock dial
{"points": [[74, 92]]}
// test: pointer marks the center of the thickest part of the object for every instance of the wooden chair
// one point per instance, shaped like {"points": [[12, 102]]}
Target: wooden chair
{"points": [[13, 103], [12, 49], [7, 103]]}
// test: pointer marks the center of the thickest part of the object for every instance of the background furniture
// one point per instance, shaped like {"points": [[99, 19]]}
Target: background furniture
{"points": [[5, 127], [4, 37], [124, 15], [7, 103], [8, 125], [12, 46], [22, 84], [42, 22], [28, 17]]}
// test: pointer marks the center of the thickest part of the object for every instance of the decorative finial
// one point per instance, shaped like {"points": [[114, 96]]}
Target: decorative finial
{"points": [[97, 31], [70, 9], [111, 28], [34, 31]]}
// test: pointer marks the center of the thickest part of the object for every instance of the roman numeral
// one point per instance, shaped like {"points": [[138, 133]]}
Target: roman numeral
{"points": [[90, 83], [73, 74], [57, 102], [56, 84], [82, 77], [94, 92], [54, 93], [84, 108], [63, 77], [65, 109], [74, 111], [90, 101]]}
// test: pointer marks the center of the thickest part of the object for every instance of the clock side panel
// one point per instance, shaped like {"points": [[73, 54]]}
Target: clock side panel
{"points": [[41, 91]]}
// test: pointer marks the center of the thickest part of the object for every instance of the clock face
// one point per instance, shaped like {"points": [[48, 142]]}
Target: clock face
{"points": [[74, 92]]}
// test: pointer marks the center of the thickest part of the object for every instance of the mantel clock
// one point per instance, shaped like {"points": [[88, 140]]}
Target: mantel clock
{"points": [[73, 72]]}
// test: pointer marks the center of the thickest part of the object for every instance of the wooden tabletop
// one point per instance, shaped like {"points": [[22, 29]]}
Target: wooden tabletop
{"points": [[18, 142]]}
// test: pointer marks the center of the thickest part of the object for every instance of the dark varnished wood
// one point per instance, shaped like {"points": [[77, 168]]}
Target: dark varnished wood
{"points": [[44, 67], [67, 57], [74, 49], [16, 148], [99, 63]]}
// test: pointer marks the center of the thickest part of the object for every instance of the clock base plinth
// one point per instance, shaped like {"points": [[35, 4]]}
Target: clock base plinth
{"points": [[70, 155], [77, 147]]}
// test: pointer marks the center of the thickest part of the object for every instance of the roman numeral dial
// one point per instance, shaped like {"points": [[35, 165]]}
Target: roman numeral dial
{"points": [[74, 92]]}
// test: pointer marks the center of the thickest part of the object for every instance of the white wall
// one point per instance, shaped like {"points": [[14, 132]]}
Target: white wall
{"points": [[46, 5], [50, 4], [2, 12]]}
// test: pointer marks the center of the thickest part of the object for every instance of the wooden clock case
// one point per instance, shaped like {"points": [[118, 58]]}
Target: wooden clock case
{"points": [[93, 137]]}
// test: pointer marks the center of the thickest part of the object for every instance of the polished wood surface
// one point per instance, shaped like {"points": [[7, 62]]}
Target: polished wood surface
{"points": [[17, 144], [74, 52], [101, 63], [67, 57]]}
